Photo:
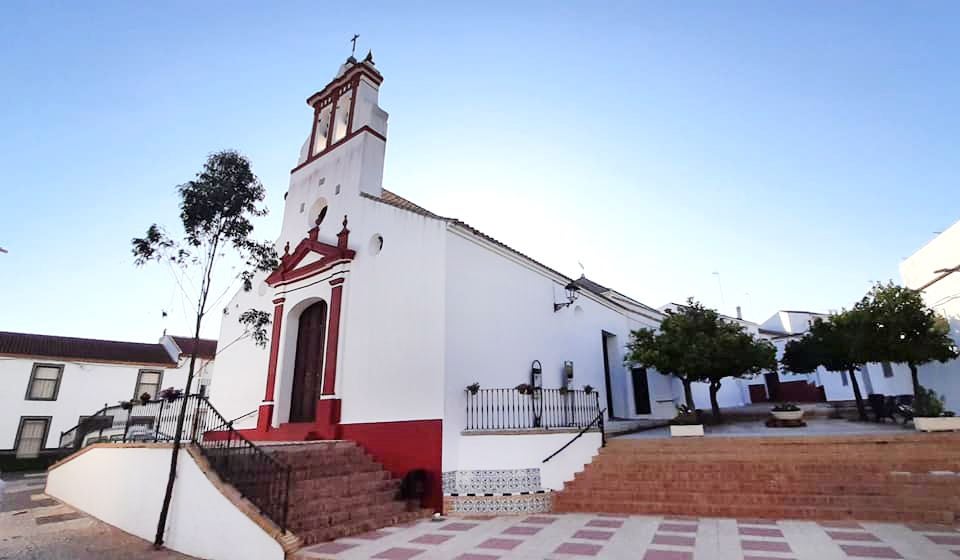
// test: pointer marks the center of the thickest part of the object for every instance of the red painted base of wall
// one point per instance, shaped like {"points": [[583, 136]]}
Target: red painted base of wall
{"points": [[405, 446], [399, 446]]}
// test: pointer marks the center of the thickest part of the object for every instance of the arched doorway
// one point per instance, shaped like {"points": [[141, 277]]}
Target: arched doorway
{"points": [[308, 367]]}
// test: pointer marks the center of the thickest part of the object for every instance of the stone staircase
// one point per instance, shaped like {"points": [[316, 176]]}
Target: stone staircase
{"points": [[338, 490], [899, 477]]}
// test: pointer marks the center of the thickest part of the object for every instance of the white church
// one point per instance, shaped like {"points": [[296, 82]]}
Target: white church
{"points": [[385, 338], [382, 319]]}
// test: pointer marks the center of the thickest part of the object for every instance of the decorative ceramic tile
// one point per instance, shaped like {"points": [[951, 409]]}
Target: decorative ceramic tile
{"points": [[491, 481], [520, 504]]}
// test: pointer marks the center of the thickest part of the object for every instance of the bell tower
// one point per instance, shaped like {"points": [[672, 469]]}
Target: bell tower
{"points": [[345, 109]]}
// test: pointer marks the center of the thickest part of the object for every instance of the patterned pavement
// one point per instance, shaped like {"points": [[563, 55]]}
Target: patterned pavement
{"points": [[585, 536], [34, 526]]}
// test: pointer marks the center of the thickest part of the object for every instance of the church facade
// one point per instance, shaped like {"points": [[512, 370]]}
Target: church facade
{"points": [[385, 312]]}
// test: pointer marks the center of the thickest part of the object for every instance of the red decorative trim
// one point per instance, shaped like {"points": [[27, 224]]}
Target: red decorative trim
{"points": [[362, 129], [353, 73], [405, 446], [331, 255], [333, 336], [337, 281], [279, 300], [265, 418], [274, 351]]}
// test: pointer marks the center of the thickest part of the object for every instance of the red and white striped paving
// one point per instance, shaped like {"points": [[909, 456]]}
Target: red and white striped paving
{"points": [[585, 536]]}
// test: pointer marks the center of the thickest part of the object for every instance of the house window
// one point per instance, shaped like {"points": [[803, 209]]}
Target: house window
{"points": [[843, 376], [887, 369], [44, 382], [31, 435], [148, 381]]}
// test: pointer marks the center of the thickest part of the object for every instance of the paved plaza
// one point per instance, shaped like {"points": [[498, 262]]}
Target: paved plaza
{"points": [[815, 427], [34, 526], [582, 536]]}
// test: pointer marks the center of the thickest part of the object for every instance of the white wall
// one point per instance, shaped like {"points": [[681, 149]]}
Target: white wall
{"points": [[124, 487], [495, 452], [500, 317], [944, 297], [84, 389]]}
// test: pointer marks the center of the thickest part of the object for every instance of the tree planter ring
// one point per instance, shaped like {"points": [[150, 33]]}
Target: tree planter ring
{"points": [[936, 423], [688, 430], [787, 414]]}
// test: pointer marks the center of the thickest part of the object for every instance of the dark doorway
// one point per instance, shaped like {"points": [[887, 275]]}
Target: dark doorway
{"points": [[604, 340], [641, 390], [773, 386], [307, 371]]}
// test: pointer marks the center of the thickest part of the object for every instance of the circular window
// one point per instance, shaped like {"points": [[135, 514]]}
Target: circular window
{"points": [[376, 244]]}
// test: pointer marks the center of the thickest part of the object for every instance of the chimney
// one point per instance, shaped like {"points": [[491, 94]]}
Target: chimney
{"points": [[739, 313]]}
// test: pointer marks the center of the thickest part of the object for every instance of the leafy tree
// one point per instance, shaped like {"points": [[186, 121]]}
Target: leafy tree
{"points": [[842, 343], [695, 344], [216, 212], [737, 353], [907, 331]]}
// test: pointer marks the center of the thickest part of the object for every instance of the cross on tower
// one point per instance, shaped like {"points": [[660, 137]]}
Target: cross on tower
{"points": [[353, 50]]}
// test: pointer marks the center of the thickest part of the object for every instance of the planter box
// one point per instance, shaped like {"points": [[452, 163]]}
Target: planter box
{"points": [[936, 424], [787, 414], [686, 431]]}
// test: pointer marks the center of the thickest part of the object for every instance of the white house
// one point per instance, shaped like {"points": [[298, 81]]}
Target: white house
{"points": [[935, 270], [54, 381], [384, 312]]}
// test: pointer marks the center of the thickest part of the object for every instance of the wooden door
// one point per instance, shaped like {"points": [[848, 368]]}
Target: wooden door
{"points": [[308, 369]]}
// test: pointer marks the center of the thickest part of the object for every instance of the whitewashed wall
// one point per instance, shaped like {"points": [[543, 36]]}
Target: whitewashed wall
{"points": [[503, 452], [124, 487], [944, 297], [500, 317], [84, 389]]}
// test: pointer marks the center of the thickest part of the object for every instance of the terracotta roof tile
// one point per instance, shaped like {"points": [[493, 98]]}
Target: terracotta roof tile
{"points": [[83, 349], [207, 348]]}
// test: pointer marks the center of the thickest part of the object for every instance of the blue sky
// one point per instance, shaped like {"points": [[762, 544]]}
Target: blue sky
{"points": [[801, 150]]}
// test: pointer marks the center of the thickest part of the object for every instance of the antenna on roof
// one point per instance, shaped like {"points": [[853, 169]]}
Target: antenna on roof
{"points": [[582, 269]]}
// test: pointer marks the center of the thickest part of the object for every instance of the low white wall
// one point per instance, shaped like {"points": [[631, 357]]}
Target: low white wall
{"points": [[522, 451], [124, 486]]}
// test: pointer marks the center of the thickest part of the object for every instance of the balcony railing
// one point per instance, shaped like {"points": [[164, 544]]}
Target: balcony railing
{"points": [[509, 409]]}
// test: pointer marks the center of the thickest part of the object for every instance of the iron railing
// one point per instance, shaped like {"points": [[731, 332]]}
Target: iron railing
{"points": [[511, 409], [257, 475], [598, 421]]}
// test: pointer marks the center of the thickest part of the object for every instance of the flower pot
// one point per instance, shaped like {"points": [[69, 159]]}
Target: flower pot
{"points": [[787, 414], [688, 430], [936, 424]]}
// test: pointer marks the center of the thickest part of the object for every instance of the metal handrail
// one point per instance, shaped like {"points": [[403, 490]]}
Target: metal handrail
{"points": [[259, 476], [603, 437]]}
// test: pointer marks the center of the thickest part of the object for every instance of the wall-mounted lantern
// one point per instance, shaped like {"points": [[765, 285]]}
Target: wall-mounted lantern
{"points": [[572, 292], [536, 381], [568, 374]]}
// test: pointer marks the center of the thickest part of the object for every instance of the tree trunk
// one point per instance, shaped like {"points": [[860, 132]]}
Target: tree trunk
{"points": [[714, 405], [165, 509], [687, 392], [861, 410], [916, 379]]}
